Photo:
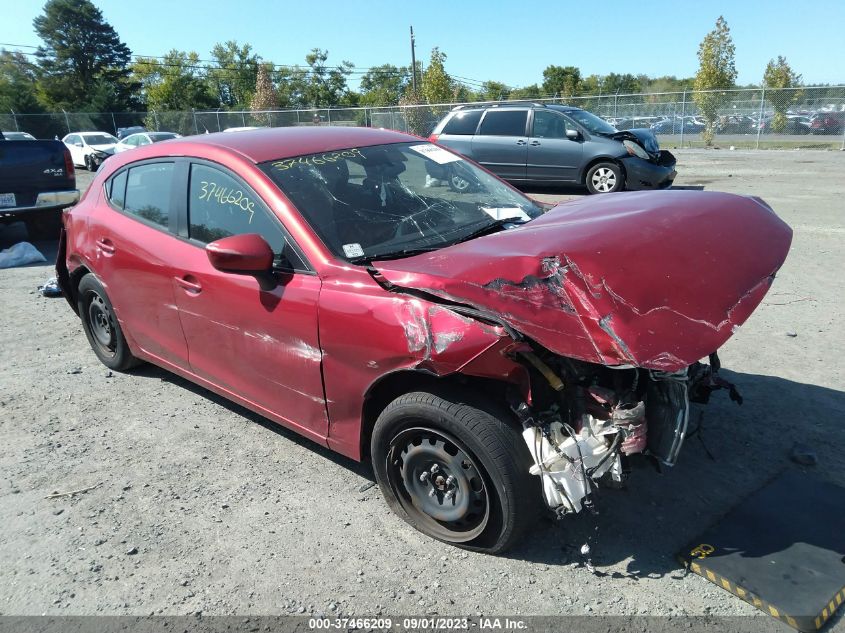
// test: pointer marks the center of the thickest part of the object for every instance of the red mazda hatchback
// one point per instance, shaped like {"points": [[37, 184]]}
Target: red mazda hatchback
{"points": [[490, 357]]}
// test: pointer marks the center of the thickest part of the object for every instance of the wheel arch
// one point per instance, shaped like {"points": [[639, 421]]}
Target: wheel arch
{"points": [[75, 277], [582, 177], [485, 393]]}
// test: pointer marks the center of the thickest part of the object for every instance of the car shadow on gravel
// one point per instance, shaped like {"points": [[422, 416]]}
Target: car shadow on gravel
{"points": [[636, 532], [361, 469]]}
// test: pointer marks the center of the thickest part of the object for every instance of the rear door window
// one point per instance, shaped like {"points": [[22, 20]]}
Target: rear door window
{"points": [[149, 192], [504, 123], [463, 123]]}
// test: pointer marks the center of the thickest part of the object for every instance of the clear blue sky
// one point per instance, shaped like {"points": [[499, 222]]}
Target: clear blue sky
{"points": [[494, 39]]}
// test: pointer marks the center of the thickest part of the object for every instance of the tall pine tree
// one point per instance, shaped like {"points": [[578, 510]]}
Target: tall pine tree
{"points": [[83, 65]]}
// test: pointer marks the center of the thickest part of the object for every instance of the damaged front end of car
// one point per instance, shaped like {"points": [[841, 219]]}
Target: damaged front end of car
{"points": [[612, 304], [584, 420]]}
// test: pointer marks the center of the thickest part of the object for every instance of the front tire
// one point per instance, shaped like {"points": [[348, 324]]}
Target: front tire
{"points": [[605, 177], [101, 326], [455, 471]]}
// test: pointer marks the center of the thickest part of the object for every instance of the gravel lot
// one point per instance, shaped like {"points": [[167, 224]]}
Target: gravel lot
{"points": [[199, 505]]}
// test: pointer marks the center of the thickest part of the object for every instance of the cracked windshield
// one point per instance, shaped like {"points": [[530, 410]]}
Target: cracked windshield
{"points": [[390, 201]]}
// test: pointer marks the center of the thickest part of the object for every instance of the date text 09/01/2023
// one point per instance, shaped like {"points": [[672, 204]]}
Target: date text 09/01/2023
{"points": [[417, 623]]}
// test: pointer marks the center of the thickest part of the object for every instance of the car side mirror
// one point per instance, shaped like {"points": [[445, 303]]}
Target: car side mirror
{"points": [[573, 135], [78, 144], [247, 254]]}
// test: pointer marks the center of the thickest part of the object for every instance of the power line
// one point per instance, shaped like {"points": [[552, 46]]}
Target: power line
{"points": [[378, 70]]}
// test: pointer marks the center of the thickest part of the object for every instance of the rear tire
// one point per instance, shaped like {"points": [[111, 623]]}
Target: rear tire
{"points": [[101, 326], [605, 177], [455, 471]]}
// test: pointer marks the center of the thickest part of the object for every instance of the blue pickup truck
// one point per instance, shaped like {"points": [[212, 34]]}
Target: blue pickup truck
{"points": [[37, 181]]}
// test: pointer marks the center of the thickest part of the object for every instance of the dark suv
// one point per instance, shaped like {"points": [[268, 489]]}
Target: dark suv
{"points": [[553, 144]]}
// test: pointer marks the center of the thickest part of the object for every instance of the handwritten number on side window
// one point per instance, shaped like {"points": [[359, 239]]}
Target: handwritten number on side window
{"points": [[226, 197]]}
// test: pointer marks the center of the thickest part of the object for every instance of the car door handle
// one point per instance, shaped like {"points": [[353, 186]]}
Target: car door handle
{"points": [[106, 246], [189, 284], [520, 142], [535, 142]]}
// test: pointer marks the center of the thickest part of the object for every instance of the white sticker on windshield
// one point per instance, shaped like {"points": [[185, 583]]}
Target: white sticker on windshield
{"points": [[506, 213], [353, 250], [437, 154]]}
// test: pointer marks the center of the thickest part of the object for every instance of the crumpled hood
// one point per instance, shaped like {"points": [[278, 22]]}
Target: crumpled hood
{"points": [[643, 136], [650, 279], [105, 149]]}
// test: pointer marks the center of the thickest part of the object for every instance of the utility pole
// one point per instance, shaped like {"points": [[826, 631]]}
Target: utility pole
{"points": [[413, 63]]}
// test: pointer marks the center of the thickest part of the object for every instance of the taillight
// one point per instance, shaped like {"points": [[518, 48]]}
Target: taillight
{"points": [[69, 168], [433, 138]]}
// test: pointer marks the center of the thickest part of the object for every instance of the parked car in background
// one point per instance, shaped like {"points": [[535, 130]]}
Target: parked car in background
{"points": [[552, 145], [794, 124], [503, 358], [16, 136], [734, 124], [90, 149], [676, 125], [37, 181], [827, 123], [144, 138], [635, 123], [123, 132]]}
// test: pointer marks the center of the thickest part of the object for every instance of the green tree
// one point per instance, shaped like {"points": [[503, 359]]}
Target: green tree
{"points": [[591, 85], [527, 92], [172, 86], [322, 85], [235, 74], [417, 114], [716, 73], [291, 83], [83, 65], [564, 81], [17, 83], [18, 95], [494, 91], [781, 82], [175, 82], [437, 86], [384, 85], [624, 84]]}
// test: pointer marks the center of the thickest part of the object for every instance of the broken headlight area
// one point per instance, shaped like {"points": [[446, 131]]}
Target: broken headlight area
{"points": [[584, 420]]}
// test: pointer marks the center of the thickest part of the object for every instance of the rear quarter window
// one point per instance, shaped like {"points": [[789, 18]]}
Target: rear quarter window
{"points": [[504, 123], [117, 189], [148, 192], [463, 123]]}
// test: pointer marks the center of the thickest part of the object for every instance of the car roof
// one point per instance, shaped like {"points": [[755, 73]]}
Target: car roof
{"points": [[285, 142], [88, 133], [513, 104]]}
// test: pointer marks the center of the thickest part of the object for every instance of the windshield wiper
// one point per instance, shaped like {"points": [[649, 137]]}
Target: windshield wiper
{"points": [[405, 252], [490, 228]]}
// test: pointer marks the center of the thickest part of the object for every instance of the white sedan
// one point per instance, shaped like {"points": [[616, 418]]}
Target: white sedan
{"points": [[144, 138], [90, 149]]}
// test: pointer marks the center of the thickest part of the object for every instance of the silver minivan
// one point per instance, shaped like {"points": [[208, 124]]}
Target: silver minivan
{"points": [[534, 143]]}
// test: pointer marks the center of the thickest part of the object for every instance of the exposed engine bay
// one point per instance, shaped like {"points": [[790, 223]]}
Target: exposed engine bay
{"points": [[586, 419]]}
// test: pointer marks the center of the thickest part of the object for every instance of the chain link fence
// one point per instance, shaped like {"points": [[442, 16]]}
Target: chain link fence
{"points": [[756, 118]]}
